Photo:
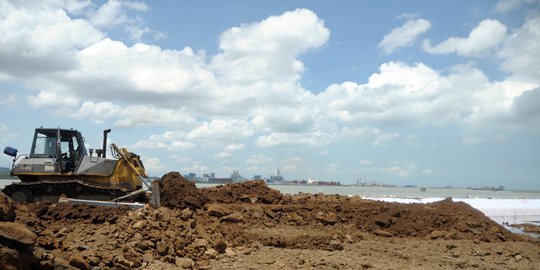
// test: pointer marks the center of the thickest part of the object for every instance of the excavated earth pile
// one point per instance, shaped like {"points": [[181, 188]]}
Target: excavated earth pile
{"points": [[217, 227], [178, 192], [251, 191]]}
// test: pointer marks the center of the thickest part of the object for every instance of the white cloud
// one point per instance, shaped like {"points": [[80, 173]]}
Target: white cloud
{"points": [[221, 130], [128, 116], [507, 5], [417, 95], [292, 139], [109, 15], [141, 72], [52, 99], [521, 52], [404, 35], [504, 6], [365, 162], [290, 119], [114, 13], [267, 50], [197, 167], [172, 141], [154, 167], [40, 39], [382, 138], [229, 150], [136, 33], [487, 35], [135, 5], [250, 92]]}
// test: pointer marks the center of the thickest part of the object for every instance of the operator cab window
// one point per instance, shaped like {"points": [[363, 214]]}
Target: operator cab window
{"points": [[68, 145], [45, 145]]}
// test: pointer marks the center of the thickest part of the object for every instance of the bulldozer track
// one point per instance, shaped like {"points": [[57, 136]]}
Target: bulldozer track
{"points": [[48, 190]]}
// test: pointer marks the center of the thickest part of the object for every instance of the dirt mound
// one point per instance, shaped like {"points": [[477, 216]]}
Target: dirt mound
{"points": [[239, 220], [6, 208], [17, 250], [176, 191], [249, 191], [68, 212]]}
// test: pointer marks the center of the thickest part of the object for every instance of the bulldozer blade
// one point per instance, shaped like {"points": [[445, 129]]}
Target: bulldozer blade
{"points": [[155, 198], [100, 203]]}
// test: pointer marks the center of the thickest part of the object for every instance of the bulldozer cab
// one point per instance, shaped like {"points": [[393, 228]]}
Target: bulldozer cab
{"points": [[65, 146]]}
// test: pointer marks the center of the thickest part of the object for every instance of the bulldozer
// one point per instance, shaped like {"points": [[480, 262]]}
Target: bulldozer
{"points": [[60, 166]]}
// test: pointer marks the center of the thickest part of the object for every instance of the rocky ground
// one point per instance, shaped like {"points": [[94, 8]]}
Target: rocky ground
{"points": [[251, 226]]}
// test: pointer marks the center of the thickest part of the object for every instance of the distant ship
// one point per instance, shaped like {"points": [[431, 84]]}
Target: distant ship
{"points": [[492, 188]]}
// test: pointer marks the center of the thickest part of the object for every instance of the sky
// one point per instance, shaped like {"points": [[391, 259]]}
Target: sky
{"points": [[428, 93]]}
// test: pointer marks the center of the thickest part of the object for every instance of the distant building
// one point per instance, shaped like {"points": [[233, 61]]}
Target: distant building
{"points": [[191, 176], [257, 177], [278, 178], [236, 177]]}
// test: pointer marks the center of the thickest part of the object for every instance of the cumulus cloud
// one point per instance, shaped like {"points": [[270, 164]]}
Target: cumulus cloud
{"points": [[507, 5], [250, 91], [145, 77], [196, 167], [418, 95], [52, 99], [290, 119], [169, 140], [484, 37], [504, 6], [154, 167], [404, 35], [230, 149], [114, 13], [43, 39], [293, 139], [521, 51], [222, 130], [267, 50]]}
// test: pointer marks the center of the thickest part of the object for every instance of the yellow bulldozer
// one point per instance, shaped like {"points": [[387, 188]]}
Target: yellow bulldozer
{"points": [[59, 165]]}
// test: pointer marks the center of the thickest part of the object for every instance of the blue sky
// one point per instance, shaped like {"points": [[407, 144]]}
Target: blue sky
{"points": [[431, 93]]}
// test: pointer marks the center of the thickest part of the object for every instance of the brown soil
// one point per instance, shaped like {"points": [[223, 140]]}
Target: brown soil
{"points": [[251, 191], [250, 226], [176, 191]]}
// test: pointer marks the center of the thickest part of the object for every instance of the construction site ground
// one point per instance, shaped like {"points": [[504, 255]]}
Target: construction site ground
{"points": [[251, 226]]}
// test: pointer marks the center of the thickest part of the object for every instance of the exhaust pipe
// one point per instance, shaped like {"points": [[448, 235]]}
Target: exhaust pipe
{"points": [[105, 142]]}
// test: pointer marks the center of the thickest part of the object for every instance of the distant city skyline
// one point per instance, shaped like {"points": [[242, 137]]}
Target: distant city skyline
{"points": [[431, 93]]}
